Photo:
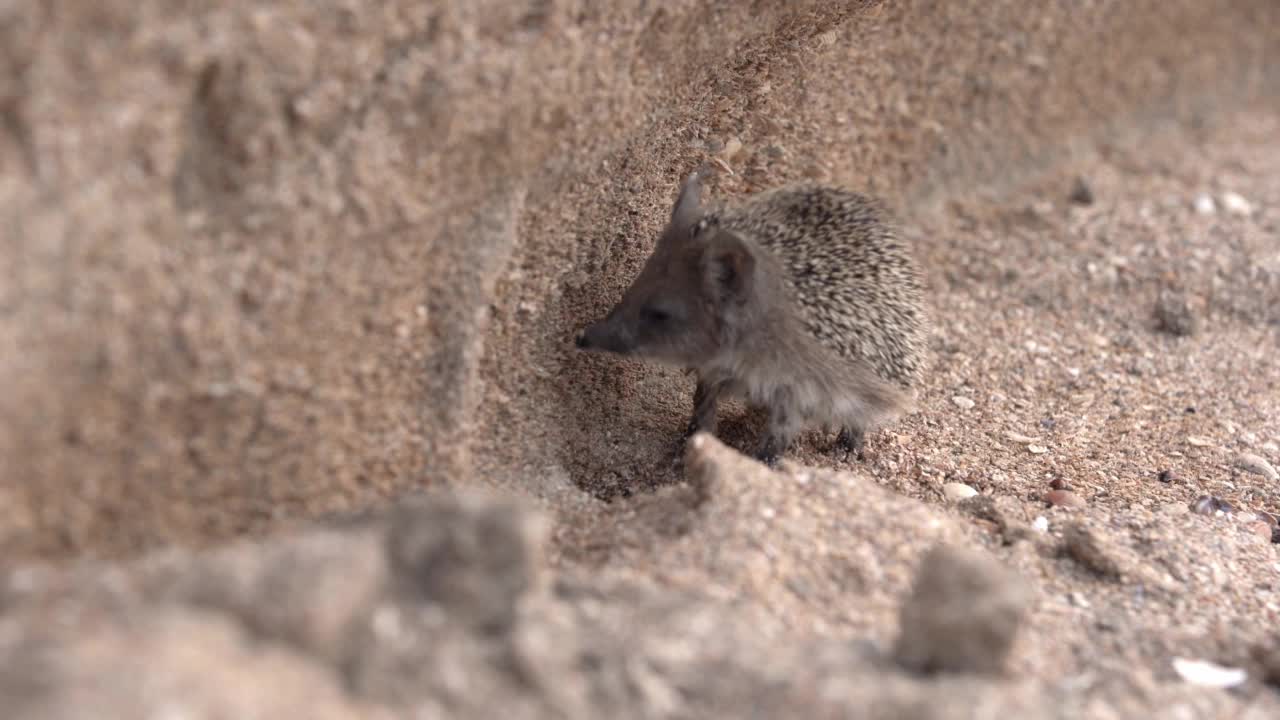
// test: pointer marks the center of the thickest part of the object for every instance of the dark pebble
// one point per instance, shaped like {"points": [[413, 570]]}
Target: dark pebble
{"points": [[1167, 476], [1081, 193], [1208, 505]]}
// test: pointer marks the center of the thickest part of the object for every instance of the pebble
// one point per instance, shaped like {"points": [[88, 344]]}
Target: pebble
{"points": [[1020, 438], [1166, 476], [1205, 205], [1207, 674], [1064, 498], [1093, 550], [1199, 441], [1235, 204], [1037, 449], [1041, 524], [1256, 465], [1081, 193], [963, 403], [1173, 315], [955, 492], [963, 613], [732, 147], [1210, 505], [1260, 529]]}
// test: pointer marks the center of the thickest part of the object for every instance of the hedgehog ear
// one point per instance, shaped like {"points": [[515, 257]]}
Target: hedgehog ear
{"points": [[728, 267], [688, 205]]}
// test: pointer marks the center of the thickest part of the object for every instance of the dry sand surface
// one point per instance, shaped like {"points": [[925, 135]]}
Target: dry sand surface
{"points": [[270, 270]]}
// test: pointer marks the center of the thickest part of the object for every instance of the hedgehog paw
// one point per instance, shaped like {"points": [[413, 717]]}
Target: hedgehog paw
{"points": [[851, 442]]}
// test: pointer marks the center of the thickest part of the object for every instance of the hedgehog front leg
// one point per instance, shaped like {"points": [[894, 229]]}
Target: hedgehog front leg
{"points": [[706, 398], [783, 426]]}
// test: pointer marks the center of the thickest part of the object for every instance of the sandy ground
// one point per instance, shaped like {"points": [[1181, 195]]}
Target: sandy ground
{"points": [[1052, 372], [231, 310]]}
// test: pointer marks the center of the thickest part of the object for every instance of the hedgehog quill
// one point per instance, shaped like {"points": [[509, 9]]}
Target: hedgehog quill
{"points": [[800, 299]]}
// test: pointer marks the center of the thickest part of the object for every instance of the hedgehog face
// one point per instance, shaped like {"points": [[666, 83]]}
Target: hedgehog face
{"points": [[675, 310]]}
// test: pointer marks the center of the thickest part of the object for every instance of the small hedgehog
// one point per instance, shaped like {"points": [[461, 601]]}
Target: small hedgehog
{"points": [[800, 300]]}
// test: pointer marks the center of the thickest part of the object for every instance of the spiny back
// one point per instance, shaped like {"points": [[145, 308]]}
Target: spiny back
{"points": [[854, 283]]}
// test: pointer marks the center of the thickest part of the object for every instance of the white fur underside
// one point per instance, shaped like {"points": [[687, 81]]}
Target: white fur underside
{"points": [[806, 401]]}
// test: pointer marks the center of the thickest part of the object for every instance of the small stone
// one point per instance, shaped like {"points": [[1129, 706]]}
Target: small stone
{"points": [[1256, 465], [1020, 438], [469, 553], [1081, 193], [1166, 476], [1205, 205], [963, 614], [1235, 204], [1092, 550], [1260, 528], [1173, 315], [1210, 505], [963, 403], [732, 147], [1037, 449], [1058, 484], [1064, 498], [1207, 674], [1199, 441], [1268, 518], [1040, 524], [955, 492]]}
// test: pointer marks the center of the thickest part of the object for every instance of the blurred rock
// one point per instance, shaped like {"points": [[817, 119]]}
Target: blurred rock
{"points": [[1064, 498], [1210, 505], [1173, 314], [1257, 465], [473, 555], [1081, 193], [963, 614], [1235, 204], [955, 491], [1095, 550]]}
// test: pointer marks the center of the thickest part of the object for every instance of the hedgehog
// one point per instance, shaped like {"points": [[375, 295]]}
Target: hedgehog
{"points": [[799, 299]]}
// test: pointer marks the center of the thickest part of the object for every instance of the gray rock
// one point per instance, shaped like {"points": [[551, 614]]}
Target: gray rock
{"points": [[963, 614], [1257, 465], [1173, 314]]}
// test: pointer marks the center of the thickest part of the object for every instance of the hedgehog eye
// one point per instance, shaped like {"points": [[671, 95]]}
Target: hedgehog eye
{"points": [[654, 316]]}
